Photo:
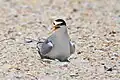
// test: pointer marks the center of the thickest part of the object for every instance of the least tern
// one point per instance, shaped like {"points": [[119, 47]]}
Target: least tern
{"points": [[58, 44]]}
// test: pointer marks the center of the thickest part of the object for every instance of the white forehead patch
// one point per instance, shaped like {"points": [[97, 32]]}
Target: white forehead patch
{"points": [[56, 23]]}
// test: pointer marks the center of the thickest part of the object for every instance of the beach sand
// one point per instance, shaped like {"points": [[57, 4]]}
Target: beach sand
{"points": [[93, 25]]}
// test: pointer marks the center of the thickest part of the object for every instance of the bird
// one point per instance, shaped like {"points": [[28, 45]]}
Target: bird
{"points": [[58, 45]]}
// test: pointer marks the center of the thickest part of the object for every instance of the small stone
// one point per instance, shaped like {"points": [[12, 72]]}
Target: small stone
{"points": [[75, 10], [69, 18], [17, 68], [28, 40], [40, 22], [27, 70], [15, 15], [98, 22], [113, 32], [105, 34], [109, 69], [102, 64], [12, 38], [91, 46], [116, 54], [78, 27], [74, 75], [80, 52]]}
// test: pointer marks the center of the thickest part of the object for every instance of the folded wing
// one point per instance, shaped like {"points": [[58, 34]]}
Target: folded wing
{"points": [[45, 48]]}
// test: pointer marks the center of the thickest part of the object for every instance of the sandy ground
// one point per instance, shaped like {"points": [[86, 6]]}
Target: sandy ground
{"points": [[93, 25]]}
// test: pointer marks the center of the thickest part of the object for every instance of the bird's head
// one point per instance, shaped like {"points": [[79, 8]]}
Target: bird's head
{"points": [[58, 23]]}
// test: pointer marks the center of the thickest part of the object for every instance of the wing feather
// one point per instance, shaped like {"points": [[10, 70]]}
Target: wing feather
{"points": [[45, 48], [72, 48]]}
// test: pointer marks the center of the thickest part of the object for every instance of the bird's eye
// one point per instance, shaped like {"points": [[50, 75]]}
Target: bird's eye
{"points": [[53, 23]]}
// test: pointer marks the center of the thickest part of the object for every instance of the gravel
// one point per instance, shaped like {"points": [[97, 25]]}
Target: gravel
{"points": [[93, 25]]}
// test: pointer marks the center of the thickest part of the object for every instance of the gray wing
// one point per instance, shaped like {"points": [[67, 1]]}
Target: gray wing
{"points": [[45, 48], [72, 47]]}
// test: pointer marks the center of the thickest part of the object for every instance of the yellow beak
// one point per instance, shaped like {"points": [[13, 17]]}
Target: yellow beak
{"points": [[53, 29]]}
